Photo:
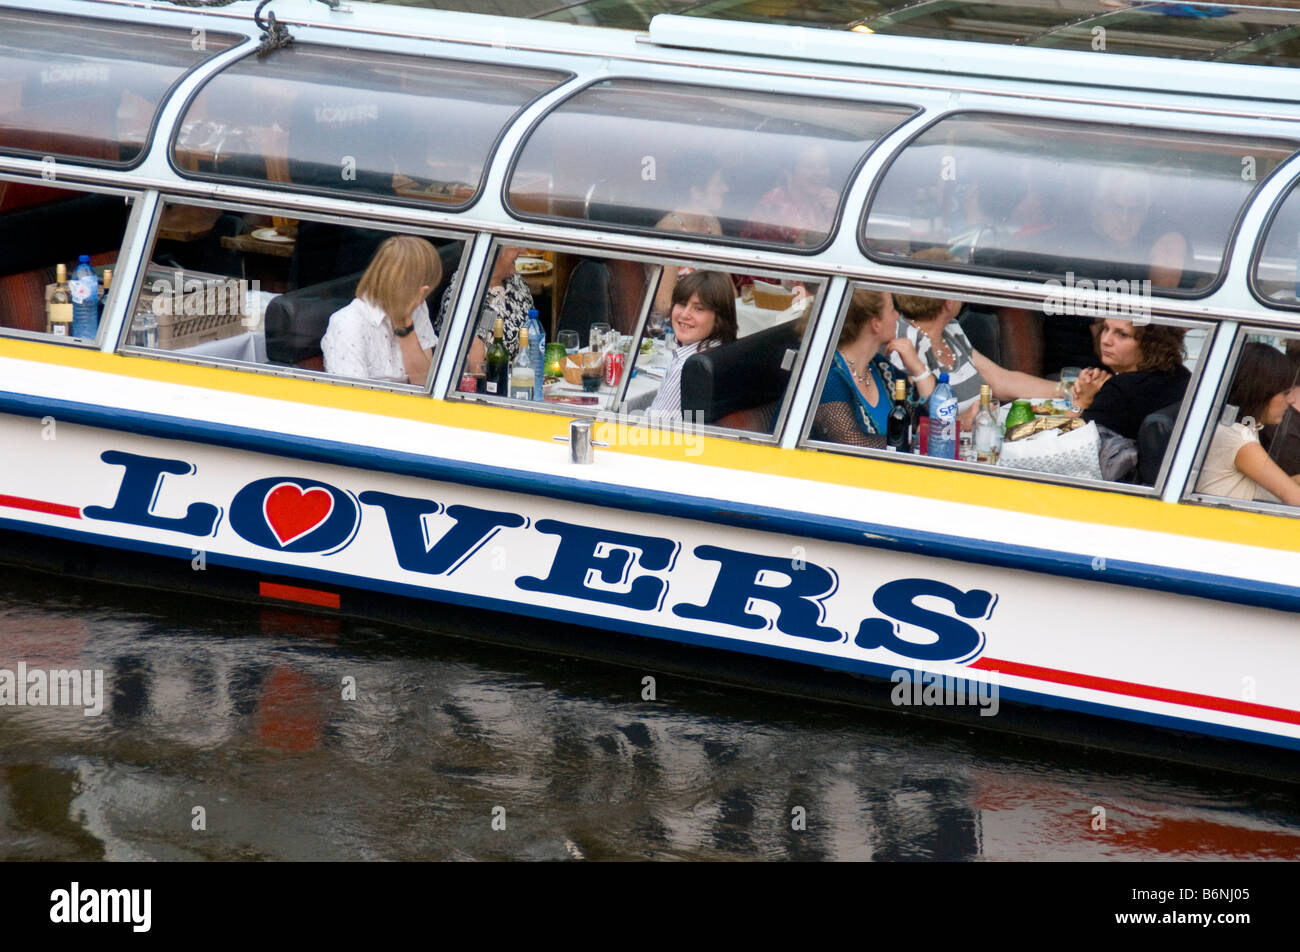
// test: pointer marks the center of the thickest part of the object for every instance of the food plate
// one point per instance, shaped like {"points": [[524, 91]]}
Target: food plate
{"points": [[270, 234], [1050, 407], [532, 266]]}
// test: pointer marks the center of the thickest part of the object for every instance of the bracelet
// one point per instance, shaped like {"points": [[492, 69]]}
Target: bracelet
{"points": [[919, 377]]}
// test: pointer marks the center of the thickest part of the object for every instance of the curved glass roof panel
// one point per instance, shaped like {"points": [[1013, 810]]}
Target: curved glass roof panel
{"points": [[754, 166], [1276, 273], [1023, 197], [324, 119], [86, 89]]}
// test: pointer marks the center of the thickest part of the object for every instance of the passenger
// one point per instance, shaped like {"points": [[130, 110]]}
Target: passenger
{"points": [[801, 211], [1236, 466], [507, 297], [705, 189], [859, 390], [930, 325], [372, 337], [1145, 373], [703, 316]]}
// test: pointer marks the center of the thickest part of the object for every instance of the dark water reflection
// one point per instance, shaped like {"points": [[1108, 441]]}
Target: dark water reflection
{"points": [[242, 713]]}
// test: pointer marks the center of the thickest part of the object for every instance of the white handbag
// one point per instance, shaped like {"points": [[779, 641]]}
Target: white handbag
{"points": [[1062, 454]]}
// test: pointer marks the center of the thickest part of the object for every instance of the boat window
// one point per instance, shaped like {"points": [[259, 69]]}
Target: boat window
{"points": [[89, 89], [1030, 198], [398, 128], [1276, 273], [1106, 420], [42, 228], [1251, 453], [284, 294], [655, 342], [635, 155]]}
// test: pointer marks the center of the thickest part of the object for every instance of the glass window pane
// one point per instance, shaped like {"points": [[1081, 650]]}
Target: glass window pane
{"points": [[263, 290], [1277, 270], [637, 155], [720, 353], [42, 228], [1253, 452], [1169, 30], [89, 89], [1028, 197], [392, 127], [1128, 393]]}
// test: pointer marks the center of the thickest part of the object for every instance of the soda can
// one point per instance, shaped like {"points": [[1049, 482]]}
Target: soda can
{"points": [[468, 383], [615, 363]]}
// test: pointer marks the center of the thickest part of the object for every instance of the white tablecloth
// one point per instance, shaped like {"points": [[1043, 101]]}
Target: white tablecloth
{"points": [[249, 347], [751, 318]]}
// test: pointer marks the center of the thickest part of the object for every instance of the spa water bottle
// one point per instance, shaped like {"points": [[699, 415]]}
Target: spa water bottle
{"points": [[84, 288], [536, 350], [943, 421]]}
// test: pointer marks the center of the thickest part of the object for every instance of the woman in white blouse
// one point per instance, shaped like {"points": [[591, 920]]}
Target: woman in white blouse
{"points": [[1237, 466], [385, 333]]}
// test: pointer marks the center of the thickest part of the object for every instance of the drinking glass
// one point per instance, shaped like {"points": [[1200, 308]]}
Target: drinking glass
{"points": [[599, 330], [1068, 377], [570, 341]]}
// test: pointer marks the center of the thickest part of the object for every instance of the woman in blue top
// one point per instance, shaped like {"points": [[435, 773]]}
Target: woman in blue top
{"points": [[859, 389]]}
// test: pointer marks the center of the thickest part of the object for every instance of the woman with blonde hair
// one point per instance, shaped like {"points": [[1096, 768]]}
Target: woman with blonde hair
{"points": [[385, 333]]}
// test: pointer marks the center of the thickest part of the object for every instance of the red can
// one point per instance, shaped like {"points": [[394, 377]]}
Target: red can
{"points": [[615, 363], [468, 383]]}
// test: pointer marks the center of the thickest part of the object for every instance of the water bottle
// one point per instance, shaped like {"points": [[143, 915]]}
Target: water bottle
{"points": [[84, 288], [536, 351], [943, 421]]}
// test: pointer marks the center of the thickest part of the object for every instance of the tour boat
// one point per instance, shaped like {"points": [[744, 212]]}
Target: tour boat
{"points": [[237, 176]]}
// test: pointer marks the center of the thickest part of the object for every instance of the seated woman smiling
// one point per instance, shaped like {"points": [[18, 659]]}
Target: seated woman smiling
{"points": [[703, 316], [385, 333], [858, 394]]}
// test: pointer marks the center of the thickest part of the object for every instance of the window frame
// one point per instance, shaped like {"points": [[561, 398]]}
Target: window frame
{"points": [[1203, 440], [1175, 294], [837, 220], [489, 158], [805, 441], [653, 260], [270, 369], [1257, 253], [133, 197]]}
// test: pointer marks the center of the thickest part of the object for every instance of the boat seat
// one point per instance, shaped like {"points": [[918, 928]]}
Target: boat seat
{"points": [[746, 376], [1153, 441], [984, 331], [588, 298]]}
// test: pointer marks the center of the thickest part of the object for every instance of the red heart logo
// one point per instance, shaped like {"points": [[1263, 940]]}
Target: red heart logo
{"points": [[292, 513]]}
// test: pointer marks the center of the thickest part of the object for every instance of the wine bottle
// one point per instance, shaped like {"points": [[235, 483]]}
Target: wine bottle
{"points": [[899, 437], [522, 373], [61, 304], [988, 436], [498, 363]]}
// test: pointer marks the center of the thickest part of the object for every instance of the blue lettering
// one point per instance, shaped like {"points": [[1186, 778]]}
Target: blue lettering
{"points": [[473, 528], [957, 641], [742, 581], [586, 554], [141, 484]]}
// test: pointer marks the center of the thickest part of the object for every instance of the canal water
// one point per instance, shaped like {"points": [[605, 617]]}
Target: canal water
{"points": [[229, 732]]}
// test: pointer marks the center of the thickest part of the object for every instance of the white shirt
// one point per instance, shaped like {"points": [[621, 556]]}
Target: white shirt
{"points": [[668, 401], [360, 342], [1219, 473]]}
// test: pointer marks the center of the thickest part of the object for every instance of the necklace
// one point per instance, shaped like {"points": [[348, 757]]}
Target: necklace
{"points": [[864, 378], [943, 354]]}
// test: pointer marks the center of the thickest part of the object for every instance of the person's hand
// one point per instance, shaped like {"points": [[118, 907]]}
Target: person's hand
{"points": [[906, 352], [968, 418], [1090, 381]]}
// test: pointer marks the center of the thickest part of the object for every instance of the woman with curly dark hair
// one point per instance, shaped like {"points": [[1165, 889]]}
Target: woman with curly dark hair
{"points": [[1144, 373]]}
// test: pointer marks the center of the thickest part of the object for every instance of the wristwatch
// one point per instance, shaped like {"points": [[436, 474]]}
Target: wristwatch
{"points": [[404, 331], [1076, 408]]}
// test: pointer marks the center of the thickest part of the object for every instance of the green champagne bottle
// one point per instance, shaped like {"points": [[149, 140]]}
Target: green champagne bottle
{"points": [[498, 363]]}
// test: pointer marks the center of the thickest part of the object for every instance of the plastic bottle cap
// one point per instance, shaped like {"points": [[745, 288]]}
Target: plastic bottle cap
{"points": [[84, 259], [943, 378]]}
